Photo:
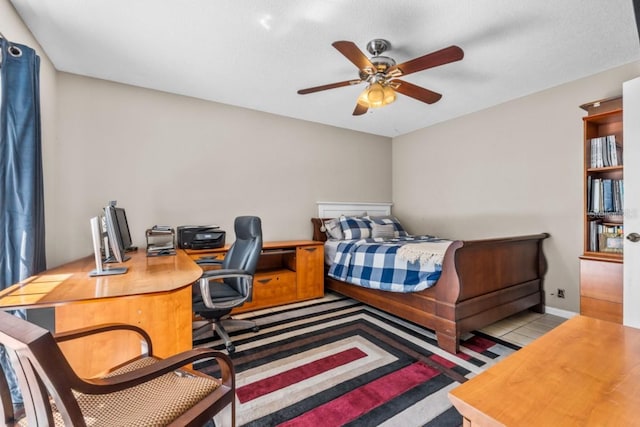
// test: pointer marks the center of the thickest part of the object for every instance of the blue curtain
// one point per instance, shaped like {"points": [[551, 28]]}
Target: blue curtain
{"points": [[22, 249]]}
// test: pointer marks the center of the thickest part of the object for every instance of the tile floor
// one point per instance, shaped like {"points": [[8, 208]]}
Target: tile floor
{"points": [[524, 327]]}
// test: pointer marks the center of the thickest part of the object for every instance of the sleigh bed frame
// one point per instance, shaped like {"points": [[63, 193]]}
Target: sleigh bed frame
{"points": [[482, 281]]}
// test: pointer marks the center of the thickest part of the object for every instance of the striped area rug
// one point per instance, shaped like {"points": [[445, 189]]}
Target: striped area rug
{"points": [[334, 362]]}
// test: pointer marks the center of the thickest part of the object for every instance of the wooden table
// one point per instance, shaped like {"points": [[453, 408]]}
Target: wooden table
{"points": [[585, 372], [154, 294]]}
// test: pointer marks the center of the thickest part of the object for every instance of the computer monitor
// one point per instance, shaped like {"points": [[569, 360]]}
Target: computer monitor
{"points": [[123, 227], [116, 244], [97, 235]]}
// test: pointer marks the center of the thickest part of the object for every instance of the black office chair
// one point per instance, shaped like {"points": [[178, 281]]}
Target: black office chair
{"points": [[219, 291]]}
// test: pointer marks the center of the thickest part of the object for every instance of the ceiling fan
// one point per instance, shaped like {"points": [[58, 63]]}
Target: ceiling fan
{"points": [[381, 74]]}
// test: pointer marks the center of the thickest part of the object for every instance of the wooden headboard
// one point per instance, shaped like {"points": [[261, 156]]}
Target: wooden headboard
{"points": [[328, 210], [318, 229]]}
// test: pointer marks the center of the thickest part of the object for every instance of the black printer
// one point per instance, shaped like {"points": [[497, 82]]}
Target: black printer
{"points": [[200, 237]]}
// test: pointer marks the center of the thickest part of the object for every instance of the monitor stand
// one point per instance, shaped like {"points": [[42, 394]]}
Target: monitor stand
{"points": [[107, 271], [111, 260], [99, 271]]}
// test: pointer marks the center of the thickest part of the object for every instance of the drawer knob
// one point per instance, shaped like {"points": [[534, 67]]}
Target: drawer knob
{"points": [[310, 249], [264, 281]]}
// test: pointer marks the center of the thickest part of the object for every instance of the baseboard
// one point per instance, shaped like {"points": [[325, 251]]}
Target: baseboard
{"points": [[559, 312]]}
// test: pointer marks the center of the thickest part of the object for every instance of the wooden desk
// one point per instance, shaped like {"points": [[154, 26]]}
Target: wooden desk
{"points": [[154, 294], [287, 272], [585, 372]]}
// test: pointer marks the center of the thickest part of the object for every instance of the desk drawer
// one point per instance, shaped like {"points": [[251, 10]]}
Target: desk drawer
{"points": [[271, 289]]}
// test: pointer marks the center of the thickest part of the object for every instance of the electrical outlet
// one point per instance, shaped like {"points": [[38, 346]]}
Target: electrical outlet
{"points": [[560, 293]]}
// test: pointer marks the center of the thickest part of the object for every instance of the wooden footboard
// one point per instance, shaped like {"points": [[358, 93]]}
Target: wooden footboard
{"points": [[482, 282], [487, 280]]}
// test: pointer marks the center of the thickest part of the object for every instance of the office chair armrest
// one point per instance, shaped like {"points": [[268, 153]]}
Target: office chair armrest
{"points": [[224, 273], [107, 327], [161, 367], [209, 261], [215, 275]]}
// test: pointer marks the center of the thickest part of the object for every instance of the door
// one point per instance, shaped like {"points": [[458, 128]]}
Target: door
{"points": [[631, 160]]}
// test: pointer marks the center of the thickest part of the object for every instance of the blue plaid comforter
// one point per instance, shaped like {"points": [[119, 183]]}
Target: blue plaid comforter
{"points": [[372, 263]]}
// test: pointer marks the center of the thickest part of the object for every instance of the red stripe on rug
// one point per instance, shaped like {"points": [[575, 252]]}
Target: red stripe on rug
{"points": [[463, 356], [478, 344], [292, 376], [357, 402], [442, 361]]}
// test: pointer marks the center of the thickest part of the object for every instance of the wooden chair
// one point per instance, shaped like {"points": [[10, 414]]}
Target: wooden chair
{"points": [[6, 407], [147, 391]]}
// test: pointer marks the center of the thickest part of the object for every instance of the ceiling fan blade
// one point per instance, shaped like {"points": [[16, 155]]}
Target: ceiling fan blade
{"points": [[329, 86], [430, 60], [353, 54], [416, 92], [360, 109]]}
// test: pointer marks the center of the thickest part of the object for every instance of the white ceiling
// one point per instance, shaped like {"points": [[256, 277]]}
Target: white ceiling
{"points": [[257, 54]]}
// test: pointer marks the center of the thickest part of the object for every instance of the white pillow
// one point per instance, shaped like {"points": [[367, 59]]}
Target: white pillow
{"points": [[385, 231], [333, 229], [390, 219]]}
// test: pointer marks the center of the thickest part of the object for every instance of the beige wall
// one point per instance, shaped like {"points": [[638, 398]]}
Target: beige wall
{"points": [[176, 160], [512, 169], [16, 31]]}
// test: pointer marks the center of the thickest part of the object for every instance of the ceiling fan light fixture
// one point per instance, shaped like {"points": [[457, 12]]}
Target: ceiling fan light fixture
{"points": [[377, 95], [389, 95]]}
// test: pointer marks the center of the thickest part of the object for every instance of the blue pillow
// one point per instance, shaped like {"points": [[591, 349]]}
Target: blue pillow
{"points": [[355, 227], [397, 227]]}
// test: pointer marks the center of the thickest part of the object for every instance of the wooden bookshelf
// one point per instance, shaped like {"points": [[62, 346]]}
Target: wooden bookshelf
{"points": [[601, 263]]}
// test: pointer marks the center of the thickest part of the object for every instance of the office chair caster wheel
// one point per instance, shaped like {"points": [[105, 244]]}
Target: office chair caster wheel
{"points": [[231, 348], [255, 329]]}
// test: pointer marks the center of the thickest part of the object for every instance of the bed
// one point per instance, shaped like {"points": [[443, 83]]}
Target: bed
{"points": [[481, 282]]}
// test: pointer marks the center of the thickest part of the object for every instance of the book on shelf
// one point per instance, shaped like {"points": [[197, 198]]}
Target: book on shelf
{"points": [[596, 192], [605, 152], [618, 196], [589, 198], [605, 196], [613, 150], [593, 236]]}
